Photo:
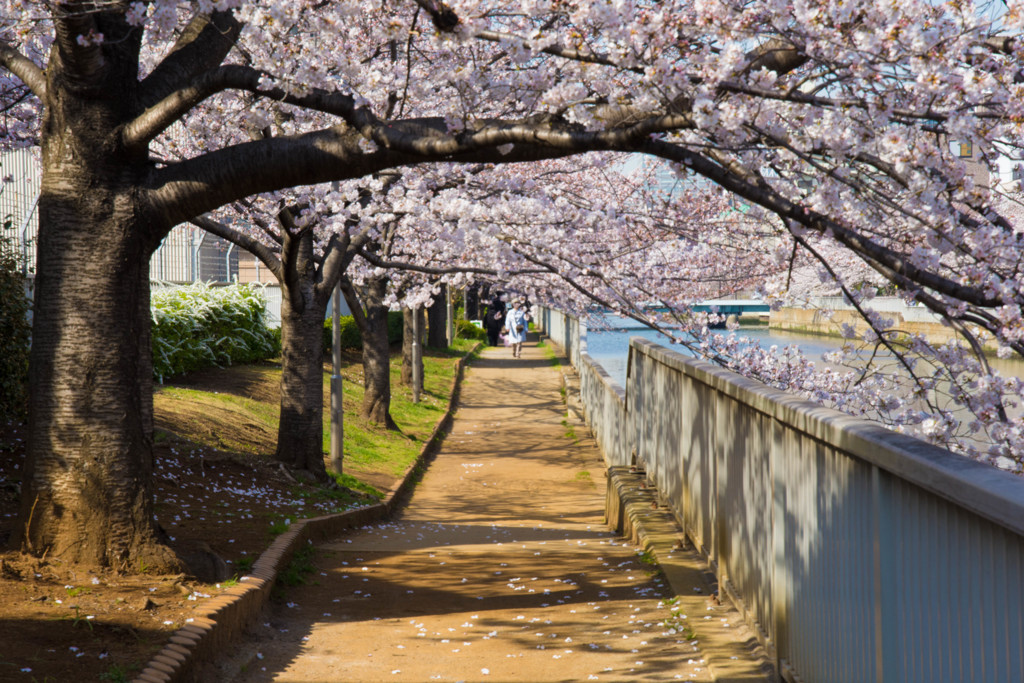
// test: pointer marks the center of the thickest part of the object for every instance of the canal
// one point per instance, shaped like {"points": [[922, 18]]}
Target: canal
{"points": [[610, 347]]}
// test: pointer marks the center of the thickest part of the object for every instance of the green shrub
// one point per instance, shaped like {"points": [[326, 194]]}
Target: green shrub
{"points": [[351, 338], [199, 326], [15, 337], [464, 329], [395, 327]]}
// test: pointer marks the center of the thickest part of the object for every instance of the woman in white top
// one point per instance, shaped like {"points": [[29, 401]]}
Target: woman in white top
{"points": [[516, 324]]}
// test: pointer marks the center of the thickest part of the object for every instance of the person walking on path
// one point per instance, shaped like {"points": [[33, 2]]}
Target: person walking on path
{"points": [[516, 322], [494, 321]]}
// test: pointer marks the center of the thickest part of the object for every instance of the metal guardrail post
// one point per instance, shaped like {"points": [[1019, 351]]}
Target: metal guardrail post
{"points": [[450, 315], [24, 236], [198, 236], [417, 356], [337, 416], [227, 262]]}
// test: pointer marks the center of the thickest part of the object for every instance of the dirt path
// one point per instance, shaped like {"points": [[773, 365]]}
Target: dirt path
{"points": [[500, 568]]}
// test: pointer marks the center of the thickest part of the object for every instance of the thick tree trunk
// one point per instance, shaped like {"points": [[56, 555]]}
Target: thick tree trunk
{"points": [[377, 357], [300, 431], [87, 495], [437, 334]]}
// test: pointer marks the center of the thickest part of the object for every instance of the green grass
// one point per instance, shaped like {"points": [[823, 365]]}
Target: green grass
{"points": [[676, 621], [76, 619], [353, 493], [299, 569], [279, 526], [350, 482], [570, 433], [227, 408], [247, 424], [375, 448], [119, 674], [648, 558], [549, 353]]}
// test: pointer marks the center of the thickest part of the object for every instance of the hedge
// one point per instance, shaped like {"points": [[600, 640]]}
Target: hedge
{"points": [[464, 329], [350, 335], [198, 326]]}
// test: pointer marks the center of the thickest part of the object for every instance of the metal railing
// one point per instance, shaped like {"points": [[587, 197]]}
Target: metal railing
{"points": [[858, 554], [19, 199], [188, 254]]}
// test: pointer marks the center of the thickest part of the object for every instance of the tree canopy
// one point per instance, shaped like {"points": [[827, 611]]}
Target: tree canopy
{"points": [[845, 124]]}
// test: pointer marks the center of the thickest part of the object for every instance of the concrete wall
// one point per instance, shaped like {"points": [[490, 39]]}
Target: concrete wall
{"points": [[828, 314], [564, 330], [857, 553], [604, 406]]}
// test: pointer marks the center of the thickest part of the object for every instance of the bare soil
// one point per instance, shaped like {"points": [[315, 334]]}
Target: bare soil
{"points": [[59, 623]]}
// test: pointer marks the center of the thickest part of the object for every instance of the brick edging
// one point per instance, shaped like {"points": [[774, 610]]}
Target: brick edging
{"points": [[226, 615]]}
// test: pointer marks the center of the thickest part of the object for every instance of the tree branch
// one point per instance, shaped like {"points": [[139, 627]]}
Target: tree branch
{"points": [[379, 262], [355, 305], [445, 19], [27, 71], [202, 46], [247, 242], [194, 186], [294, 242], [584, 56], [740, 182], [161, 115], [335, 261], [83, 65]]}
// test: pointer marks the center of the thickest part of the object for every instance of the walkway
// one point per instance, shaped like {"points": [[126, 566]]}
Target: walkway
{"points": [[499, 569]]}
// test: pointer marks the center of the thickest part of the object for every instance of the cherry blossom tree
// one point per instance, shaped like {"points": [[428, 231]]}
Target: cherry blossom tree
{"points": [[874, 134], [309, 247], [307, 271], [99, 83], [836, 117], [579, 234]]}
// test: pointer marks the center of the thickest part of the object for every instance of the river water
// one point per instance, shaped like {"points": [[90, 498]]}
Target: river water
{"points": [[610, 348]]}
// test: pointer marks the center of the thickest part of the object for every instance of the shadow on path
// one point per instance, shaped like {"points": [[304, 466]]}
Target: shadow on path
{"points": [[500, 567]]}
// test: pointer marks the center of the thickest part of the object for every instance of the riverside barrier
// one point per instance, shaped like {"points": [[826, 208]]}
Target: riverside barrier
{"points": [[856, 553]]}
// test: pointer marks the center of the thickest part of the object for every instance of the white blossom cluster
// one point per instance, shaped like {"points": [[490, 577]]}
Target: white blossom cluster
{"points": [[841, 126]]}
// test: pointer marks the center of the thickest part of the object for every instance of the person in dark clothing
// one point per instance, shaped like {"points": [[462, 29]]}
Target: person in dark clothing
{"points": [[494, 321]]}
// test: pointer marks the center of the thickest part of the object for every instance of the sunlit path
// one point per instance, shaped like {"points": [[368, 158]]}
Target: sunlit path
{"points": [[500, 568]]}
